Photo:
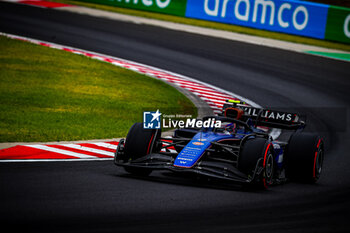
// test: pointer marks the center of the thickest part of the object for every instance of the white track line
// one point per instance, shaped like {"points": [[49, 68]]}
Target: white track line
{"points": [[60, 151], [106, 145], [88, 149]]}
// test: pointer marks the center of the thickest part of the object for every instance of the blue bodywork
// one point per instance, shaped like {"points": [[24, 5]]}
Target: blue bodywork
{"points": [[278, 154], [193, 151]]}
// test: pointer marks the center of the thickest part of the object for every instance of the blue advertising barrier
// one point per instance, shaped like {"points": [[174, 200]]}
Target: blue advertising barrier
{"points": [[288, 16]]}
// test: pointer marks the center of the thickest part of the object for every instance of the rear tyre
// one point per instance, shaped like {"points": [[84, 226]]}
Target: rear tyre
{"points": [[139, 142], [254, 151], [304, 157]]}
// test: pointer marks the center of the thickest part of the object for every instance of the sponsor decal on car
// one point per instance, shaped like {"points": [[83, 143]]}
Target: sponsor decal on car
{"points": [[198, 143], [274, 115]]}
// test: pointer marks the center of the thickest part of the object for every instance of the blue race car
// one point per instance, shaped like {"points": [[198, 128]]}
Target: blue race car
{"points": [[239, 151]]}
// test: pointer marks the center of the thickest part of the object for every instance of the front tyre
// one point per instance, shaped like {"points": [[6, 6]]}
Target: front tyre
{"points": [[139, 142]]}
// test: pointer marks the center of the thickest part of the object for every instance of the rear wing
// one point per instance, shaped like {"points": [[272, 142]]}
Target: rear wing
{"points": [[262, 116]]}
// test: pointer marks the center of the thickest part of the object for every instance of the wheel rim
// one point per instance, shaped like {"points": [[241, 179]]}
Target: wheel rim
{"points": [[269, 168], [318, 163]]}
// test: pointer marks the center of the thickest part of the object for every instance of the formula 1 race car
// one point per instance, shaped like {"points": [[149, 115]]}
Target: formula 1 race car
{"points": [[240, 150]]}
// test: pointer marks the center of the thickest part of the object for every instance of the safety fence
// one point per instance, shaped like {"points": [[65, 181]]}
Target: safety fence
{"points": [[295, 17]]}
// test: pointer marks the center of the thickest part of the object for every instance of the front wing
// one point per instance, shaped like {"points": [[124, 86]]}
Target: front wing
{"points": [[219, 170]]}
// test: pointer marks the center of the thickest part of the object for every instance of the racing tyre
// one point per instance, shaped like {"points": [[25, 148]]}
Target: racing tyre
{"points": [[139, 142], [304, 157], [254, 153]]}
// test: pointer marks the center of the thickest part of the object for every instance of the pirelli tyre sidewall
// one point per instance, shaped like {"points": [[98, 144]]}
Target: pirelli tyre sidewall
{"points": [[304, 157], [257, 153]]}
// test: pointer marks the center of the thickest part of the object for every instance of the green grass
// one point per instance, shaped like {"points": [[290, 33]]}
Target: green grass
{"points": [[219, 26], [52, 95]]}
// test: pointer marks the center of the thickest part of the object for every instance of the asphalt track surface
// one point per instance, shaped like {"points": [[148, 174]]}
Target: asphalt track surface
{"points": [[98, 197]]}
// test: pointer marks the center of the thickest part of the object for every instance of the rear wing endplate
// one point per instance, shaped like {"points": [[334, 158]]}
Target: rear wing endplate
{"points": [[266, 117]]}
